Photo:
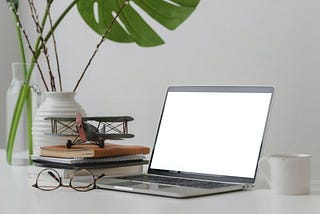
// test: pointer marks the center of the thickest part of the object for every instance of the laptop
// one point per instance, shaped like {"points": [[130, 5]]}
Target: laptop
{"points": [[208, 141]]}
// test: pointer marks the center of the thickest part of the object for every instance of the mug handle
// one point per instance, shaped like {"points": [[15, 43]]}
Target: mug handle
{"points": [[263, 163]]}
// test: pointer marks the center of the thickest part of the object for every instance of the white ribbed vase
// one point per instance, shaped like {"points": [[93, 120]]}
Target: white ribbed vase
{"points": [[56, 104]]}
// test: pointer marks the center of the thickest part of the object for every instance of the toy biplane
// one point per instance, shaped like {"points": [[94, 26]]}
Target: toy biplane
{"points": [[90, 129]]}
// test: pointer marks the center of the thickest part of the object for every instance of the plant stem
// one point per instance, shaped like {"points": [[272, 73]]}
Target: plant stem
{"points": [[46, 38], [23, 94], [19, 24], [22, 51], [29, 123], [29, 103], [55, 48], [48, 35], [25, 89], [63, 14], [15, 120], [31, 49], [43, 46]]}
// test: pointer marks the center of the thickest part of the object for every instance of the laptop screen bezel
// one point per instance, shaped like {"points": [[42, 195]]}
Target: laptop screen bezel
{"points": [[222, 178]]}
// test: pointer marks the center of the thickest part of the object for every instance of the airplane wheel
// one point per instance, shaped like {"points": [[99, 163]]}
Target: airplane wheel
{"points": [[101, 143], [69, 144]]}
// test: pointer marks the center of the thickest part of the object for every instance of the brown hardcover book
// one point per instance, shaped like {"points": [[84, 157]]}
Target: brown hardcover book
{"points": [[90, 150]]}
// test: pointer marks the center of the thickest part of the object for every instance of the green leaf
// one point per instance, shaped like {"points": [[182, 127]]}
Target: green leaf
{"points": [[169, 15], [132, 27]]}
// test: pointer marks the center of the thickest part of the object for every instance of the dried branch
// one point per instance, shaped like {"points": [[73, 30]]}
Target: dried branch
{"points": [[19, 24], [39, 29], [55, 47], [103, 38]]}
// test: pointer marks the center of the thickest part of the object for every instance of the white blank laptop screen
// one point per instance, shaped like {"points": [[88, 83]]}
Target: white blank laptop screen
{"points": [[217, 133]]}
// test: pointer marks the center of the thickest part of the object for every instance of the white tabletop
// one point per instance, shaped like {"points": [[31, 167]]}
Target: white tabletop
{"points": [[18, 196]]}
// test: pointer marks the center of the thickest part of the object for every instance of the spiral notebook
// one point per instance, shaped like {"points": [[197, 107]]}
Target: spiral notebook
{"points": [[103, 162]]}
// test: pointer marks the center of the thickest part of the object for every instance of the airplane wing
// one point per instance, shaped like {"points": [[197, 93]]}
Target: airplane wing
{"points": [[66, 119], [98, 119], [114, 136], [63, 134], [109, 119]]}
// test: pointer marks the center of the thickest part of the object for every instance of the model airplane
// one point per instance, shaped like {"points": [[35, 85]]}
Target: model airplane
{"points": [[90, 129]]}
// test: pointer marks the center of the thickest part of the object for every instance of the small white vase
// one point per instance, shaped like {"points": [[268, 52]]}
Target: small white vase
{"points": [[56, 104]]}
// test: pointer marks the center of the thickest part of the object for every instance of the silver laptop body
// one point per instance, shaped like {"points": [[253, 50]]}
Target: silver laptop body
{"points": [[206, 134]]}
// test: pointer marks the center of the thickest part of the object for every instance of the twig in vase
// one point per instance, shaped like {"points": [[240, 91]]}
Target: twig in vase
{"points": [[55, 47], [44, 48], [19, 24], [103, 38]]}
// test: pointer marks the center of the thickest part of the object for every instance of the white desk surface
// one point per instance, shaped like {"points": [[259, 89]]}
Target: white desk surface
{"points": [[18, 196]]}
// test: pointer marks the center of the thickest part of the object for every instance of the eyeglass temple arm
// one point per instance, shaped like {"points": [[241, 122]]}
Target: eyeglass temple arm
{"points": [[97, 178], [100, 176], [54, 176]]}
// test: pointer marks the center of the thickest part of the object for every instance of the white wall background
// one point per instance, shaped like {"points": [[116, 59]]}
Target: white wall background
{"points": [[224, 42]]}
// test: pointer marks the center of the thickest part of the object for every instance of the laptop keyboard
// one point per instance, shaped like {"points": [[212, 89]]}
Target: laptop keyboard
{"points": [[177, 181]]}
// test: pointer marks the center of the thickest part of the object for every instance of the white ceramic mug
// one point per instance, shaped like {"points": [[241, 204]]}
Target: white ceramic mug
{"points": [[287, 174]]}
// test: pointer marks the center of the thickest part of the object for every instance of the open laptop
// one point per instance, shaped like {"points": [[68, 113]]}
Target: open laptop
{"points": [[209, 140]]}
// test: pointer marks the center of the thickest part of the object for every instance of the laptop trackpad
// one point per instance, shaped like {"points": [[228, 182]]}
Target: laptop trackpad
{"points": [[146, 186]]}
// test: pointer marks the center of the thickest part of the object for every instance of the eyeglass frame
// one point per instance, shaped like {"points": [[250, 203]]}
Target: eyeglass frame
{"points": [[59, 180]]}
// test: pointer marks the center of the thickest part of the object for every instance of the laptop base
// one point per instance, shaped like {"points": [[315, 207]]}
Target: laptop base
{"points": [[118, 184]]}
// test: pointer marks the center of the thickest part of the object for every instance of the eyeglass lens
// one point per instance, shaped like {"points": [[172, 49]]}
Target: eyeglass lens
{"points": [[48, 180], [82, 180]]}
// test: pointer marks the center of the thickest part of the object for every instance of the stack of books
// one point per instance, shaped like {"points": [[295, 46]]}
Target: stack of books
{"points": [[112, 160]]}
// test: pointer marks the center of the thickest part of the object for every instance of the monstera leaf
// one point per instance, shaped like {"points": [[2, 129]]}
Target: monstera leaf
{"points": [[130, 26]]}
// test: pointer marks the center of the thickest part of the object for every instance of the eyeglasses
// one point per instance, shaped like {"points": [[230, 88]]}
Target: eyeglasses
{"points": [[81, 180]]}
